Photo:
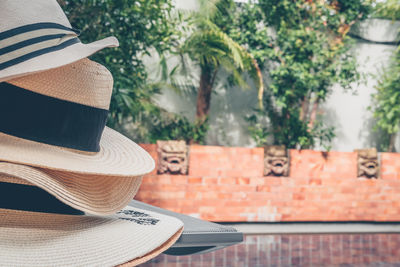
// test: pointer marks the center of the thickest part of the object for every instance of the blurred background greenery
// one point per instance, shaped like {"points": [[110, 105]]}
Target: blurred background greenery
{"points": [[299, 49]]}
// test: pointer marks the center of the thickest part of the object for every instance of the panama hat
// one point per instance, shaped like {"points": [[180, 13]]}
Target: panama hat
{"points": [[127, 238], [37, 36], [42, 239], [36, 229], [53, 135]]}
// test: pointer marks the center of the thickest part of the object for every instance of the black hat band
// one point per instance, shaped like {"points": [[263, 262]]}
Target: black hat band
{"points": [[32, 116]]}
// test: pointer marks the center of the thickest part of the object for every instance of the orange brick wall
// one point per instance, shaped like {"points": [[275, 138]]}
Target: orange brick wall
{"points": [[227, 184]]}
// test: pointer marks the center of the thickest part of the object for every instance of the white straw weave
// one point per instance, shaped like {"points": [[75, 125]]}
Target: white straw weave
{"points": [[40, 239]]}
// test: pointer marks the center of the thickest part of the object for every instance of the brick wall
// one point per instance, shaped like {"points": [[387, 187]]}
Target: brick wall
{"points": [[227, 184]]}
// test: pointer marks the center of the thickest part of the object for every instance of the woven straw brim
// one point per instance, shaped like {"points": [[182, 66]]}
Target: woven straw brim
{"points": [[56, 59], [118, 156], [40, 239], [100, 195]]}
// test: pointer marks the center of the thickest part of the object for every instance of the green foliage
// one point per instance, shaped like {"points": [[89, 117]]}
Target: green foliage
{"points": [[332, 14], [305, 48], [178, 127], [386, 102], [390, 9], [140, 26]]}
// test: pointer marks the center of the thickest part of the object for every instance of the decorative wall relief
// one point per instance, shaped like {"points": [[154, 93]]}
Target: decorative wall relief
{"points": [[367, 161], [172, 157], [276, 161]]}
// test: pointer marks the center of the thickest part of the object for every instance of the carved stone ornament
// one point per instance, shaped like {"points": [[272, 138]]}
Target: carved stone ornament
{"points": [[276, 161], [172, 157], [367, 163]]}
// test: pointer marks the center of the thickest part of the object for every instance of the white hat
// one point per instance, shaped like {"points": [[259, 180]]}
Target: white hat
{"points": [[37, 36], [130, 237]]}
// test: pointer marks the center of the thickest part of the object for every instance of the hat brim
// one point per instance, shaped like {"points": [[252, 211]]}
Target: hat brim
{"points": [[39, 239], [99, 195], [56, 59], [118, 156]]}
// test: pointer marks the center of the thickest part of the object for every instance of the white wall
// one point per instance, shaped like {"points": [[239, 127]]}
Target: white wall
{"points": [[186, 4], [348, 112]]}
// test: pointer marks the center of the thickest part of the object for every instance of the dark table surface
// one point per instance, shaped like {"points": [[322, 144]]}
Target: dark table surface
{"points": [[198, 236]]}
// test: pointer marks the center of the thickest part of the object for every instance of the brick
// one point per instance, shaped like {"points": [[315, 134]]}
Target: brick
{"points": [[195, 180], [348, 189], [210, 195], [257, 180], [273, 181], [178, 179], [210, 202], [263, 188], [225, 195], [193, 195], [207, 209], [242, 180], [298, 181], [299, 196], [315, 181], [210, 180], [149, 179], [227, 180], [390, 166], [162, 179], [144, 195], [172, 188]]}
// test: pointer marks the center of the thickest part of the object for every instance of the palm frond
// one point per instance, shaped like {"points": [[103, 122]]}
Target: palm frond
{"points": [[208, 9], [207, 45]]}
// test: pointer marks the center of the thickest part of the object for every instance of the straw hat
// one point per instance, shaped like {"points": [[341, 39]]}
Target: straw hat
{"points": [[129, 238], [37, 36], [53, 135], [38, 230]]}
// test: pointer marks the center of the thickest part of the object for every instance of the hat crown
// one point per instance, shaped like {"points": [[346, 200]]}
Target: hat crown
{"points": [[84, 82], [17, 13], [66, 106]]}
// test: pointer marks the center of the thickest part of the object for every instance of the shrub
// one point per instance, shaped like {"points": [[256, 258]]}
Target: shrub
{"points": [[304, 47]]}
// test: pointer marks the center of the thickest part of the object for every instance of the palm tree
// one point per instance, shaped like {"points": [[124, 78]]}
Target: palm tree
{"points": [[211, 49]]}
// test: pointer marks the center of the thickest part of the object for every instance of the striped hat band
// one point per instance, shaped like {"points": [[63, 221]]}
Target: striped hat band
{"points": [[36, 36], [29, 41]]}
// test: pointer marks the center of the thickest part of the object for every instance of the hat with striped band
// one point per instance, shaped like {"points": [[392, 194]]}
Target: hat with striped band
{"points": [[33, 234], [53, 135], [37, 36]]}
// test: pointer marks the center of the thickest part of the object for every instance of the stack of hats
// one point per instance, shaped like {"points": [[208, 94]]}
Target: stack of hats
{"points": [[65, 178]]}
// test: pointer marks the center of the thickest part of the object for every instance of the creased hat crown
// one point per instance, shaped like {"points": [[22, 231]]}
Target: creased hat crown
{"points": [[16, 13]]}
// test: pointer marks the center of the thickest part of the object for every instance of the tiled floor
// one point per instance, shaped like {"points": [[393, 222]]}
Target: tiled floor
{"points": [[297, 250]]}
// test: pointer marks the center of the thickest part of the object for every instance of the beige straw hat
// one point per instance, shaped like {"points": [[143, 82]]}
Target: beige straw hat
{"points": [[129, 238], [37, 36], [38, 230], [99, 195], [51, 135]]}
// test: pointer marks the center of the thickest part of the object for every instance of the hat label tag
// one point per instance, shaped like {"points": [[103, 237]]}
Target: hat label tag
{"points": [[137, 217]]}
